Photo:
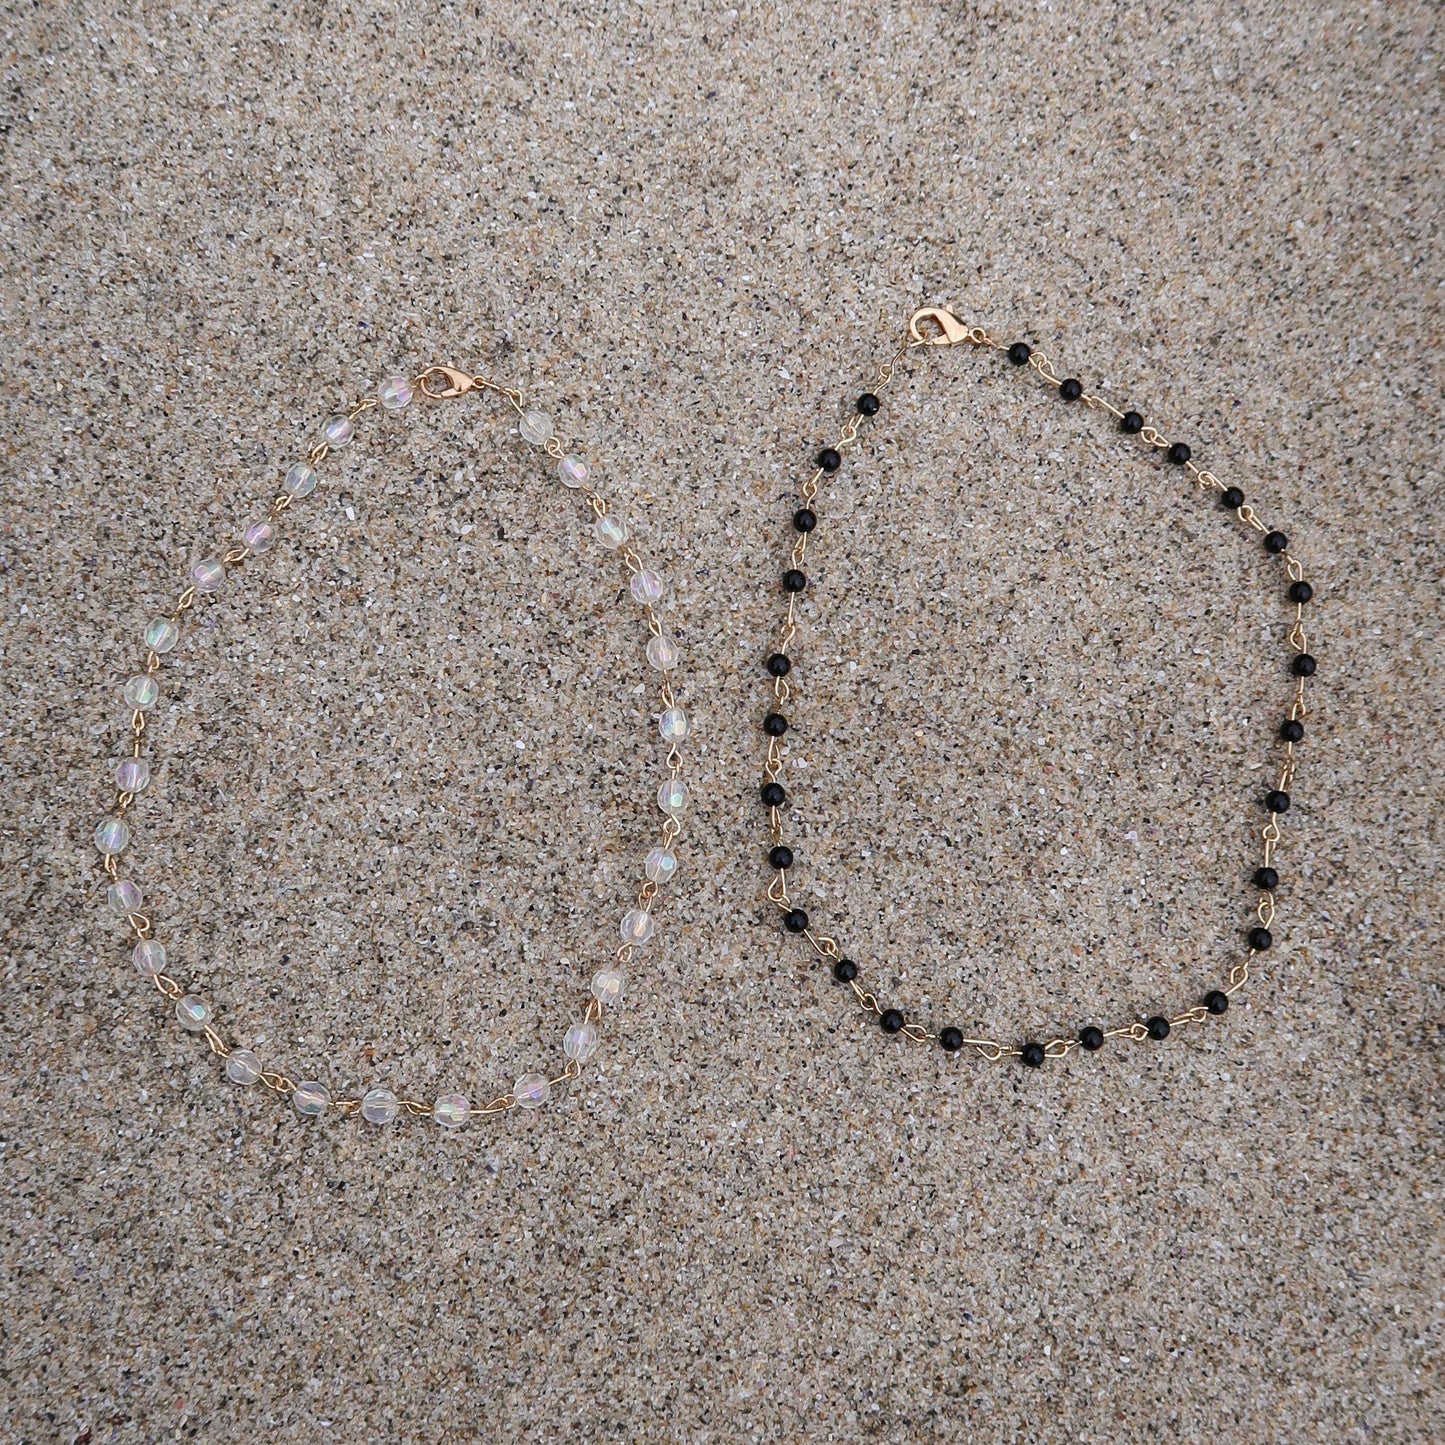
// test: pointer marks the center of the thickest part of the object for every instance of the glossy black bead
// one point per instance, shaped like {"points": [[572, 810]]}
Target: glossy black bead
{"points": [[829, 459], [1300, 591], [1291, 730], [868, 404], [1276, 801], [1091, 1037], [1275, 542], [795, 921], [1267, 879], [890, 1021], [1261, 939], [804, 519], [1216, 1002], [780, 857], [1020, 352], [793, 580], [1071, 389], [779, 665], [1158, 1027], [1304, 665], [1179, 454], [774, 795], [845, 970], [775, 724], [1131, 422], [951, 1039], [1232, 498], [1033, 1055]]}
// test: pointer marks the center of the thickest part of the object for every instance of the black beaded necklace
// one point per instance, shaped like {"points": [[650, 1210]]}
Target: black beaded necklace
{"points": [[945, 329]]}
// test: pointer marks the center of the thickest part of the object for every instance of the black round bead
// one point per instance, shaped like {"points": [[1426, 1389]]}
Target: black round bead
{"points": [[829, 459], [1071, 388], [1304, 665], [774, 795], [775, 724], [845, 970], [1216, 1002], [1179, 454], [1131, 422], [795, 921], [1232, 498], [793, 580], [1019, 353], [1300, 591], [1276, 801], [1261, 939], [1275, 542], [1033, 1055], [1291, 730], [780, 857], [804, 520], [779, 665], [1158, 1027], [891, 1021], [1091, 1037], [1267, 879], [951, 1039], [868, 404]]}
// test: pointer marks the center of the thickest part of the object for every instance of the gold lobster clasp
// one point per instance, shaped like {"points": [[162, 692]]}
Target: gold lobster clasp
{"points": [[443, 382], [950, 329]]}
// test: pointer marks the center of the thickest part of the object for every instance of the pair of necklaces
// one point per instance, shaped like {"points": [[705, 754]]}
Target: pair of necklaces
{"points": [[657, 862]]}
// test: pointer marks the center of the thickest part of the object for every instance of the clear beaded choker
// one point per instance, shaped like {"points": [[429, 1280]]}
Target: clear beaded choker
{"points": [[381, 1105]]}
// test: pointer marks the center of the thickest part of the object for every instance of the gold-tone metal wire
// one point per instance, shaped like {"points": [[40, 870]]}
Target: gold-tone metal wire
{"points": [[435, 383], [937, 327]]}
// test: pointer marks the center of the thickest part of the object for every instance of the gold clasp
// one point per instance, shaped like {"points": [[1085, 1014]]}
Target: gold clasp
{"points": [[951, 329], [458, 383]]}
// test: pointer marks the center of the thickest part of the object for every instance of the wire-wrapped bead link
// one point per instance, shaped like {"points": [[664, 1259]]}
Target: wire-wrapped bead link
{"points": [[310, 1097], [931, 327]]}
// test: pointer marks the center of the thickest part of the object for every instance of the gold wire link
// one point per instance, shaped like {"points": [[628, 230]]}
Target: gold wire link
{"points": [[917, 1033], [1293, 567], [1208, 479], [671, 830], [598, 503], [234, 556], [416, 1108], [1044, 367], [1271, 835], [778, 889], [594, 1011], [362, 407], [646, 894], [1154, 437], [1099, 404], [499, 1105], [1297, 638], [168, 986], [1060, 1048], [1264, 909], [110, 867], [1238, 977], [1195, 1015], [217, 1043], [867, 999], [826, 946], [184, 601], [986, 1048], [572, 1071], [277, 1081], [1136, 1031], [318, 453], [1248, 514], [140, 923], [553, 448], [624, 953], [346, 1107]]}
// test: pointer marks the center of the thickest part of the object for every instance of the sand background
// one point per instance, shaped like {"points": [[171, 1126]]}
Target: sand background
{"points": [[404, 774]]}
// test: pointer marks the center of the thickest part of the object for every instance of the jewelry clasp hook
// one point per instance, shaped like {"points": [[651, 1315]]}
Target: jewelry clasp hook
{"points": [[951, 329], [457, 383]]}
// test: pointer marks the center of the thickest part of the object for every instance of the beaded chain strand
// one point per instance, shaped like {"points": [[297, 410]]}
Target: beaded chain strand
{"points": [[945, 329], [380, 1105]]}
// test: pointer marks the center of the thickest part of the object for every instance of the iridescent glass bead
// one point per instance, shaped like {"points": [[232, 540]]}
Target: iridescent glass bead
{"points": [[672, 796], [132, 774], [193, 1013], [573, 471], [660, 865], [646, 586], [149, 957], [673, 725], [242, 1066], [162, 634], [310, 1099], [611, 531], [637, 926], [379, 1106], [338, 431], [301, 480], [208, 574], [607, 986], [124, 897], [112, 836], [259, 537], [142, 692], [663, 653], [580, 1041], [536, 427], [451, 1110], [395, 393], [531, 1091]]}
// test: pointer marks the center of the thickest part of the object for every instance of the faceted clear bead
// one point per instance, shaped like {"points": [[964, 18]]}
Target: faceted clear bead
{"points": [[338, 431], [536, 427], [673, 725], [395, 393], [193, 1013], [672, 796], [607, 986], [242, 1066], [531, 1091], [149, 957], [660, 865], [451, 1110], [112, 836], [132, 774], [379, 1106], [162, 634], [573, 471], [611, 531], [646, 586], [637, 926], [310, 1099], [142, 692], [300, 480], [663, 653], [124, 897], [208, 574], [580, 1041], [259, 537]]}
